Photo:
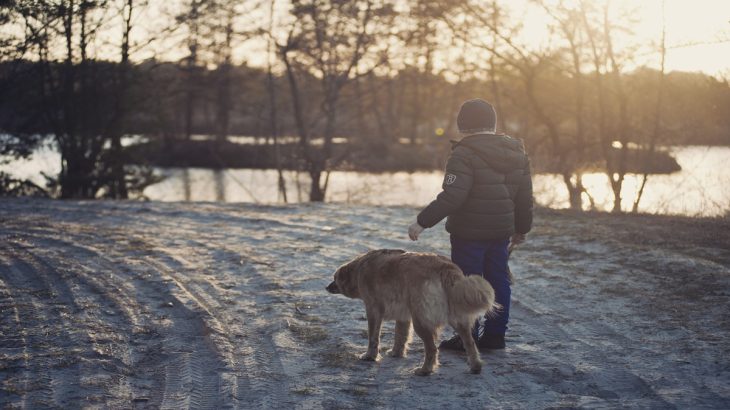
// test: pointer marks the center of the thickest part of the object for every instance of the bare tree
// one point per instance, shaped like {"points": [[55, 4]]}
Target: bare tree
{"points": [[193, 19], [657, 129], [599, 30], [82, 99], [227, 26], [118, 183], [569, 24], [272, 93], [420, 42], [328, 40], [223, 71], [530, 66], [74, 105]]}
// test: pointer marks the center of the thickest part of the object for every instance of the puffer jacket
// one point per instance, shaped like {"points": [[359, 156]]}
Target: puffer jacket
{"points": [[487, 190]]}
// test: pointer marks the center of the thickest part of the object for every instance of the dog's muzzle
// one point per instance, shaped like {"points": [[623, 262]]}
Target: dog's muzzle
{"points": [[332, 288]]}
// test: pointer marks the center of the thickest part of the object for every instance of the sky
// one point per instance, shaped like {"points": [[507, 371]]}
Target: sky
{"points": [[696, 22], [698, 32]]}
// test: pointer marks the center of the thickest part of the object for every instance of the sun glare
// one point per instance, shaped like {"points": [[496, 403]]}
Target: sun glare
{"points": [[697, 32]]}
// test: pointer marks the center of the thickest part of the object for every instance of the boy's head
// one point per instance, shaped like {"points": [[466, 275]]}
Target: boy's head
{"points": [[475, 116]]}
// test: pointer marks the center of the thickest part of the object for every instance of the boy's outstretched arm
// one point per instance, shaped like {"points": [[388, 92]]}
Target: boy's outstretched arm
{"points": [[523, 207], [523, 203], [456, 186]]}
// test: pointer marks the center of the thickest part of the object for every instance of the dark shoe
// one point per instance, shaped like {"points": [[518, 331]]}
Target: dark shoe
{"points": [[452, 344], [491, 342]]}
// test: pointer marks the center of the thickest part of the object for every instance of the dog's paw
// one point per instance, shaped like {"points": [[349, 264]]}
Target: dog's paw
{"points": [[423, 372], [475, 367], [366, 357], [396, 353]]}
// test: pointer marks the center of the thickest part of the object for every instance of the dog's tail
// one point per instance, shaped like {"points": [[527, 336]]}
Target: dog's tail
{"points": [[470, 294]]}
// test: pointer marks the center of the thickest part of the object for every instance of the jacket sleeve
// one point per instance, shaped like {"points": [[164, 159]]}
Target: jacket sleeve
{"points": [[456, 186], [523, 202]]}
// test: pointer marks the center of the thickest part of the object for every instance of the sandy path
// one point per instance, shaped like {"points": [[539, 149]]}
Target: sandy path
{"points": [[149, 305]]}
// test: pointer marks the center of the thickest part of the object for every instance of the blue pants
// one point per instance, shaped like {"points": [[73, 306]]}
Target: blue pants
{"points": [[488, 259]]}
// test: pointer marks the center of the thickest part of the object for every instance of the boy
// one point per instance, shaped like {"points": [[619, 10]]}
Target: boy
{"points": [[487, 200]]}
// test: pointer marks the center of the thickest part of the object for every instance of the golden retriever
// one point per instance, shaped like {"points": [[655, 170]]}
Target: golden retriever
{"points": [[425, 289]]}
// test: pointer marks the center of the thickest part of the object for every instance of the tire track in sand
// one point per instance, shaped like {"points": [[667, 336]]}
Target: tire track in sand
{"points": [[13, 345], [109, 316], [44, 307], [129, 310], [258, 362], [186, 364]]}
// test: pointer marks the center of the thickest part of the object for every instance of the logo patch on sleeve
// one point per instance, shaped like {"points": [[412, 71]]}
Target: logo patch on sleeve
{"points": [[450, 178]]}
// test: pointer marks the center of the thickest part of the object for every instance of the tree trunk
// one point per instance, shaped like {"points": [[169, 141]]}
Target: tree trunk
{"points": [[191, 69], [223, 103], [316, 193], [617, 175], [118, 183], [75, 179], [273, 117], [616, 187], [417, 105], [657, 114], [575, 191]]}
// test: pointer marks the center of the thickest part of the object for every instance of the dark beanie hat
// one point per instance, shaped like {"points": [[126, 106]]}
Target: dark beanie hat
{"points": [[476, 115]]}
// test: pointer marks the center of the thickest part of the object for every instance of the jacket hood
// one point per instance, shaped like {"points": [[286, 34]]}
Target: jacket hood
{"points": [[501, 152]]}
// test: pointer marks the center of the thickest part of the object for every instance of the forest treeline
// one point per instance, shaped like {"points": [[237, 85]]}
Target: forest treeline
{"points": [[409, 107], [363, 83]]}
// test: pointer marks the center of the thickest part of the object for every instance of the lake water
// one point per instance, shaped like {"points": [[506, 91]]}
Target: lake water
{"points": [[701, 188]]}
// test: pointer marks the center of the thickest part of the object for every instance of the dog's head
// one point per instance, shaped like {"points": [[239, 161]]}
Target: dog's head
{"points": [[345, 280], [347, 275]]}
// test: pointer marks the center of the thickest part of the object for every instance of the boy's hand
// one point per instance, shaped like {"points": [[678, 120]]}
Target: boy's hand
{"points": [[517, 239], [414, 230]]}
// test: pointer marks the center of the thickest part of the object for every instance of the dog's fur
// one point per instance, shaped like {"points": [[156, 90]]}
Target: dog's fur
{"points": [[425, 289]]}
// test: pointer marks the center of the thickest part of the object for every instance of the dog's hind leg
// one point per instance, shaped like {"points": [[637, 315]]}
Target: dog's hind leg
{"points": [[375, 321], [429, 336], [475, 363], [402, 338]]}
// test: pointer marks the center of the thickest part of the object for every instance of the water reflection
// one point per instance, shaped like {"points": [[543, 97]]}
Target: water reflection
{"points": [[220, 189], [187, 193], [701, 188]]}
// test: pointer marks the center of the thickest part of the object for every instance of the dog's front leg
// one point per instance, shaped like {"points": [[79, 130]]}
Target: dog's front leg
{"points": [[375, 321]]}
